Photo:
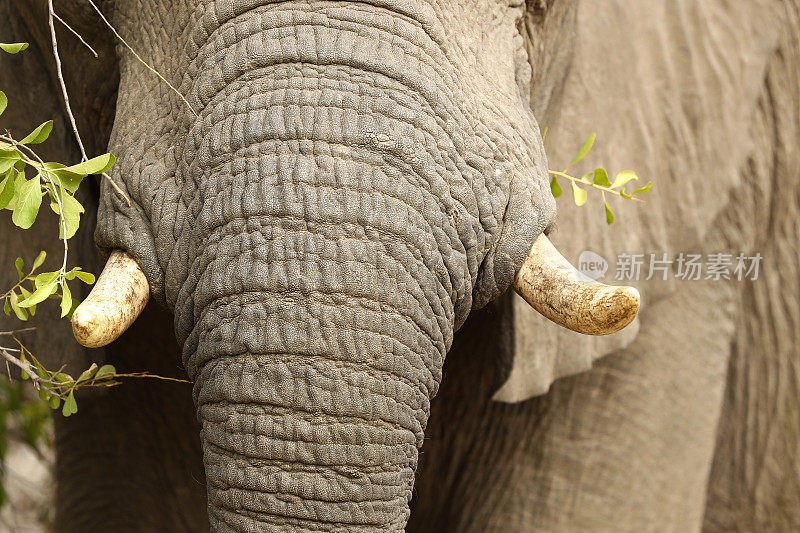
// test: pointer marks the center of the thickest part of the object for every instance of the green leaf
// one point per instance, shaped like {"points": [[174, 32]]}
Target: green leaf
{"points": [[55, 402], [578, 194], [7, 307], [70, 275], [66, 178], [13, 48], [86, 277], [39, 295], [62, 377], [71, 211], [70, 406], [25, 294], [95, 165], [544, 134], [45, 278], [39, 260], [3, 102], [39, 135], [75, 303], [624, 194], [14, 301], [19, 263], [88, 373], [609, 214], [624, 177], [584, 150], [601, 177], [105, 372], [30, 198], [40, 370], [66, 300], [19, 181], [9, 158], [555, 187], [7, 189], [44, 395], [644, 189]]}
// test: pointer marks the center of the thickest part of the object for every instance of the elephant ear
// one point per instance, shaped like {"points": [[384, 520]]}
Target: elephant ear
{"points": [[541, 352], [694, 156]]}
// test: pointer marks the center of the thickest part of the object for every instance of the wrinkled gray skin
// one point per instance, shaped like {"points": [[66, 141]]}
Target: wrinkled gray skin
{"points": [[358, 177]]}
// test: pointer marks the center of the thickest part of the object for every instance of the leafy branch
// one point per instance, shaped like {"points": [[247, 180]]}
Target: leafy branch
{"points": [[58, 386], [23, 196], [23, 300], [598, 179]]}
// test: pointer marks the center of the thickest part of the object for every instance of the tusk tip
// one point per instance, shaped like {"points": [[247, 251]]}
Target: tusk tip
{"points": [[614, 308], [87, 326]]}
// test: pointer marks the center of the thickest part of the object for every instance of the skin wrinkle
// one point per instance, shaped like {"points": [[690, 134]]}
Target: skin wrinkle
{"points": [[273, 411], [347, 26], [424, 303], [282, 369], [440, 343], [360, 424], [367, 226], [322, 226], [393, 196], [395, 394], [445, 225], [346, 435], [233, 43], [229, 157], [408, 353], [209, 349]]}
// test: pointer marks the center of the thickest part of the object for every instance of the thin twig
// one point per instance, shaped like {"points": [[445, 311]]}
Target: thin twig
{"points": [[592, 184], [50, 19], [78, 35], [13, 332], [51, 16], [28, 369], [117, 188], [139, 58]]}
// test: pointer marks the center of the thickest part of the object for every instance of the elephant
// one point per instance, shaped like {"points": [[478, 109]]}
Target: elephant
{"points": [[366, 180]]}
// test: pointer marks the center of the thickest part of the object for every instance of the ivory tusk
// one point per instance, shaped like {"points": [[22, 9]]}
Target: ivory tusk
{"points": [[552, 286], [117, 299]]}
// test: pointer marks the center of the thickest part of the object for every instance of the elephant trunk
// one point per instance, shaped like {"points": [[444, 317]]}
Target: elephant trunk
{"points": [[317, 307], [313, 388]]}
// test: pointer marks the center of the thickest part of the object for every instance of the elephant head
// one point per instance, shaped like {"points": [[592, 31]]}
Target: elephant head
{"points": [[321, 196]]}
